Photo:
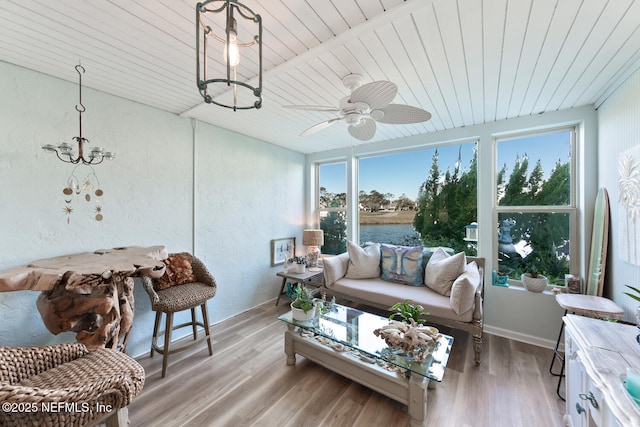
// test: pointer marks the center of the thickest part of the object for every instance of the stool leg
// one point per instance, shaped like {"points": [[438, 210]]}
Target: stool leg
{"points": [[167, 340], [156, 327], [560, 382], [205, 322], [556, 355], [193, 323]]}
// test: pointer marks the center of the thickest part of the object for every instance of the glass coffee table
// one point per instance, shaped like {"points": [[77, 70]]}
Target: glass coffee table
{"points": [[342, 340]]}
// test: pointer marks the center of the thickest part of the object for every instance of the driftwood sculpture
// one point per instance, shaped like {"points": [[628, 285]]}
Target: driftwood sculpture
{"points": [[89, 293], [412, 339]]}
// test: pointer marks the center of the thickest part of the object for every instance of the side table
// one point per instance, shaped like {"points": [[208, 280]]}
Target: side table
{"points": [[314, 278]]}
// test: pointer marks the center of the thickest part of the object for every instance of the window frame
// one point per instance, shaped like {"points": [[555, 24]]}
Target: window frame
{"points": [[571, 208]]}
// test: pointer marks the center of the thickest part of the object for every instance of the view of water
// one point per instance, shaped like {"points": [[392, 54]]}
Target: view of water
{"points": [[395, 234]]}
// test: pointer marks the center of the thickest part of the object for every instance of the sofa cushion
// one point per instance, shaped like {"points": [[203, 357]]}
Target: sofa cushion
{"points": [[335, 267], [364, 263], [401, 264], [386, 294], [464, 289], [443, 269]]}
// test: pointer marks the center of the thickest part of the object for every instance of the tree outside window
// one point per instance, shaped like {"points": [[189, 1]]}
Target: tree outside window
{"points": [[535, 208], [332, 206]]}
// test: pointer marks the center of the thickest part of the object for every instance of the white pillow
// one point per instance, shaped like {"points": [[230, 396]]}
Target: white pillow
{"points": [[334, 268], [443, 269], [464, 288], [364, 263]]}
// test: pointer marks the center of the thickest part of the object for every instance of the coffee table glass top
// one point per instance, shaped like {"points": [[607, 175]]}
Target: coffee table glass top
{"points": [[354, 329]]}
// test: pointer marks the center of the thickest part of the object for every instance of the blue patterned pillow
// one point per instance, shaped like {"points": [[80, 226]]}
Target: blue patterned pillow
{"points": [[402, 264]]}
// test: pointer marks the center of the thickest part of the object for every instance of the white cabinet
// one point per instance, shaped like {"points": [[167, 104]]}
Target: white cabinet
{"points": [[596, 354], [576, 382]]}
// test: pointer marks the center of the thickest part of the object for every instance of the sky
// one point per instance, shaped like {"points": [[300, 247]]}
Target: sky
{"points": [[405, 172]]}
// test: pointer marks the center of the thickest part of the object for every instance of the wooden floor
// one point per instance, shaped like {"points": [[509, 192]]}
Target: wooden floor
{"points": [[247, 383]]}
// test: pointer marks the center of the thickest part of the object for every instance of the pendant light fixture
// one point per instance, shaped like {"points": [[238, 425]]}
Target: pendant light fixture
{"points": [[238, 30]]}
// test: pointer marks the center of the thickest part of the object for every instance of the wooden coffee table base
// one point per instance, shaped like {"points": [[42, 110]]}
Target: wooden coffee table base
{"points": [[410, 391]]}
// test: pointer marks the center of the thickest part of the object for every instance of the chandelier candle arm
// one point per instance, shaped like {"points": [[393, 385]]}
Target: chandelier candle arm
{"points": [[65, 151]]}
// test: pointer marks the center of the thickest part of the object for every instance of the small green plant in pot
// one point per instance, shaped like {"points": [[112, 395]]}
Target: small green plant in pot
{"points": [[300, 263], [405, 311], [302, 306], [635, 296]]}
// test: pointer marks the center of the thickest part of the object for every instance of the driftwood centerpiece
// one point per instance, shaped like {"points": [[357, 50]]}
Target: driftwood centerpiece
{"points": [[412, 339], [90, 293]]}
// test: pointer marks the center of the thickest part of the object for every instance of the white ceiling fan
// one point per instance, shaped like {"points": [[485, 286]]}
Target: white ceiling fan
{"points": [[366, 105]]}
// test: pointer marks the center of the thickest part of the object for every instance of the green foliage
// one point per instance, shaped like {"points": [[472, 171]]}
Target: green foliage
{"points": [[635, 296], [405, 311], [299, 260], [302, 298], [446, 205], [374, 200], [543, 232], [334, 224]]}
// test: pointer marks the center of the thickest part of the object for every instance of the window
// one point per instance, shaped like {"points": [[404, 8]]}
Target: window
{"points": [[332, 206], [423, 197], [535, 204]]}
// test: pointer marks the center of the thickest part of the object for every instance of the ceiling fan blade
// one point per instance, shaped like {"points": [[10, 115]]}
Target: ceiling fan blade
{"points": [[397, 114], [364, 132], [312, 107], [376, 94], [315, 128]]}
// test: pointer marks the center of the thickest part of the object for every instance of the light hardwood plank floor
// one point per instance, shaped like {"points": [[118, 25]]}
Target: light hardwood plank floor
{"points": [[247, 383]]}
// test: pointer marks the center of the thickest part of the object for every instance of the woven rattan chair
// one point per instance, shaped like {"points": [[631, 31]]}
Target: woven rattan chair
{"points": [[178, 298], [66, 385]]}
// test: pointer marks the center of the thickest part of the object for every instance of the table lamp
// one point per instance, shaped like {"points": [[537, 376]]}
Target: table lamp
{"points": [[313, 239]]}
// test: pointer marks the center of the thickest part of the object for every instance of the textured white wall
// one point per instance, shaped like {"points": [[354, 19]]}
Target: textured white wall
{"points": [[618, 131], [226, 203]]}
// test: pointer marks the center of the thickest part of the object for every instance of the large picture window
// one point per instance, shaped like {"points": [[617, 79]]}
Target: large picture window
{"points": [[535, 204], [424, 197]]}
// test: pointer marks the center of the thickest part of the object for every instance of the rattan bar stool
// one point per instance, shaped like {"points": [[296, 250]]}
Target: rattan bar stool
{"points": [[180, 296], [67, 385]]}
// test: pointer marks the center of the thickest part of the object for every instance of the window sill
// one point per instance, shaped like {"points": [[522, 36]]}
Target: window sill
{"points": [[517, 286]]}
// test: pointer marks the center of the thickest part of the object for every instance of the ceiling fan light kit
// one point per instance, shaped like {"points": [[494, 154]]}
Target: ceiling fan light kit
{"points": [[367, 104]]}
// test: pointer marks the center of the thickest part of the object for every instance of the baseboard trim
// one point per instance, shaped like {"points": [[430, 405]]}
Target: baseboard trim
{"points": [[525, 338]]}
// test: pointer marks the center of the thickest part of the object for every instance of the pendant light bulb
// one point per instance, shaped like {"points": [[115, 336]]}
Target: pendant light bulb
{"points": [[231, 49], [233, 52]]}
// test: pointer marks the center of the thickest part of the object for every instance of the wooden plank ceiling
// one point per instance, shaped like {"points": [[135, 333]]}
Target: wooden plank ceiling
{"points": [[465, 61]]}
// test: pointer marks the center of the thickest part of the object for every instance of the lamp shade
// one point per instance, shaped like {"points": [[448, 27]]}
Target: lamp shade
{"points": [[313, 237]]}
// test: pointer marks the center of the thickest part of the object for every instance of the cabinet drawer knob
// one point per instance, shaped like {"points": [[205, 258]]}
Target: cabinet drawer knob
{"points": [[591, 398]]}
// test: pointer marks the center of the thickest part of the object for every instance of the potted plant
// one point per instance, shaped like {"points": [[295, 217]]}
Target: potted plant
{"points": [[406, 311], [532, 280], [300, 263], [635, 296], [302, 307]]}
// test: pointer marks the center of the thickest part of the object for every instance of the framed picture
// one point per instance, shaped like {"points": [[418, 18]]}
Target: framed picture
{"points": [[282, 249]]}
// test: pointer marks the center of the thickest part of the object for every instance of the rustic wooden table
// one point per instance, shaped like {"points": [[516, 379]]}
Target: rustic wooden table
{"points": [[90, 293]]}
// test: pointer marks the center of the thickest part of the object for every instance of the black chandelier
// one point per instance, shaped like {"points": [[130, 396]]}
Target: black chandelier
{"points": [[65, 151], [209, 20]]}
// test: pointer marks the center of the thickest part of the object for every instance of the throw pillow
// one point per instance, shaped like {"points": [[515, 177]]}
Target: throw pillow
{"points": [[334, 268], [178, 271], [401, 264], [364, 263], [442, 269], [464, 289]]}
